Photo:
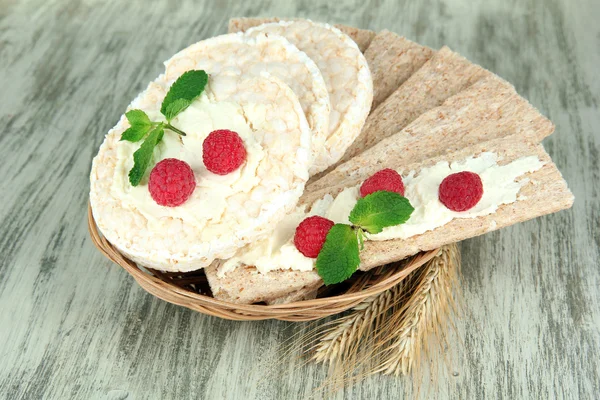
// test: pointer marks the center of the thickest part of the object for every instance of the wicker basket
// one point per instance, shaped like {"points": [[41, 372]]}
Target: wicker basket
{"points": [[191, 289]]}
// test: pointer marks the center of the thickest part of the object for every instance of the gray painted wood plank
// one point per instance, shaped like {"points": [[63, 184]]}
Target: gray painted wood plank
{"points": [[74, 326]]}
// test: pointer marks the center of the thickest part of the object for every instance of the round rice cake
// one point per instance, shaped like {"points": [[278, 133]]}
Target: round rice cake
{"points": [[346, 74], [224, 212], [236, 55]]}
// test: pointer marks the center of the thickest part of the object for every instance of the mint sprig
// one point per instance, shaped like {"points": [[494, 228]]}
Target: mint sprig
{"points": [[187, 88], [339, 258]]}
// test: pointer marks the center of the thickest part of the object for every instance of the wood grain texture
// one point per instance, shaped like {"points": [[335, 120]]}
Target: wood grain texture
{"points": [[74, 326]]}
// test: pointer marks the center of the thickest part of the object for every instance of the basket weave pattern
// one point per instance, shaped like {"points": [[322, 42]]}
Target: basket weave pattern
{"points": [[191, 289]]}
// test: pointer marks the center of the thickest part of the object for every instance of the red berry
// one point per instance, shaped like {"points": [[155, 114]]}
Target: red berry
{"points": [[310, 235], [223, 152], [171, 182], [386, 179], [461, 191]]}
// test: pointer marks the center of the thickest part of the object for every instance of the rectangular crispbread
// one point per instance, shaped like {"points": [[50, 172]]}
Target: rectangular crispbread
{"points": [[546, 192], [488, 109], [392, 60], [362, 37], [306, 293], [247, 285], [444, 75]]}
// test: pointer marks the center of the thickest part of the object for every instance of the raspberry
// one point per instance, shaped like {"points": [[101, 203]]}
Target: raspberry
{"points": [[461, 191], [171, 182], [310, 235], [386, 179], [223, 152]]}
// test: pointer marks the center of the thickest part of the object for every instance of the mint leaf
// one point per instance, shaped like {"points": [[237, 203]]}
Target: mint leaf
{"points": [[187, 87], [138, 118], [143, 155], [140, 125], [176, 107], [338, 258], [134, 134], [379, 210]]}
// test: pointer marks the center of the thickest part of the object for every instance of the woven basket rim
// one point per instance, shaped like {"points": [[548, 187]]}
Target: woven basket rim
{"points": [[303, 310]]}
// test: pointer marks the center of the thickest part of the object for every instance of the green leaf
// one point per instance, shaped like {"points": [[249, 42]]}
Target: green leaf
{"points": [[188, 87], [143, 155], [176, 107], [138, 118], [140, 125], [134, 134], [379, 210], [338, 258]]}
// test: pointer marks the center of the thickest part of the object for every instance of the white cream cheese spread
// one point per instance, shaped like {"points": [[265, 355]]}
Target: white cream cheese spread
{"points": [[208, 201], [500, 186]]}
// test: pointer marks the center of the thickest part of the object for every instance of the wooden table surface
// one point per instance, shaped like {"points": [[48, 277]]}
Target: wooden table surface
{"points": [[72, 325]]}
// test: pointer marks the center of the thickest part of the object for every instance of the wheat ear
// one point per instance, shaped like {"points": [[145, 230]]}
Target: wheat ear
{"points": [[386, 333], [348, 331], [420, 321]]}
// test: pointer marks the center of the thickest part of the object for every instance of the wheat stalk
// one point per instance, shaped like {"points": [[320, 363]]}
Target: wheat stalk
{"points": [[422, 317], [347, 332], [386, 333]]}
